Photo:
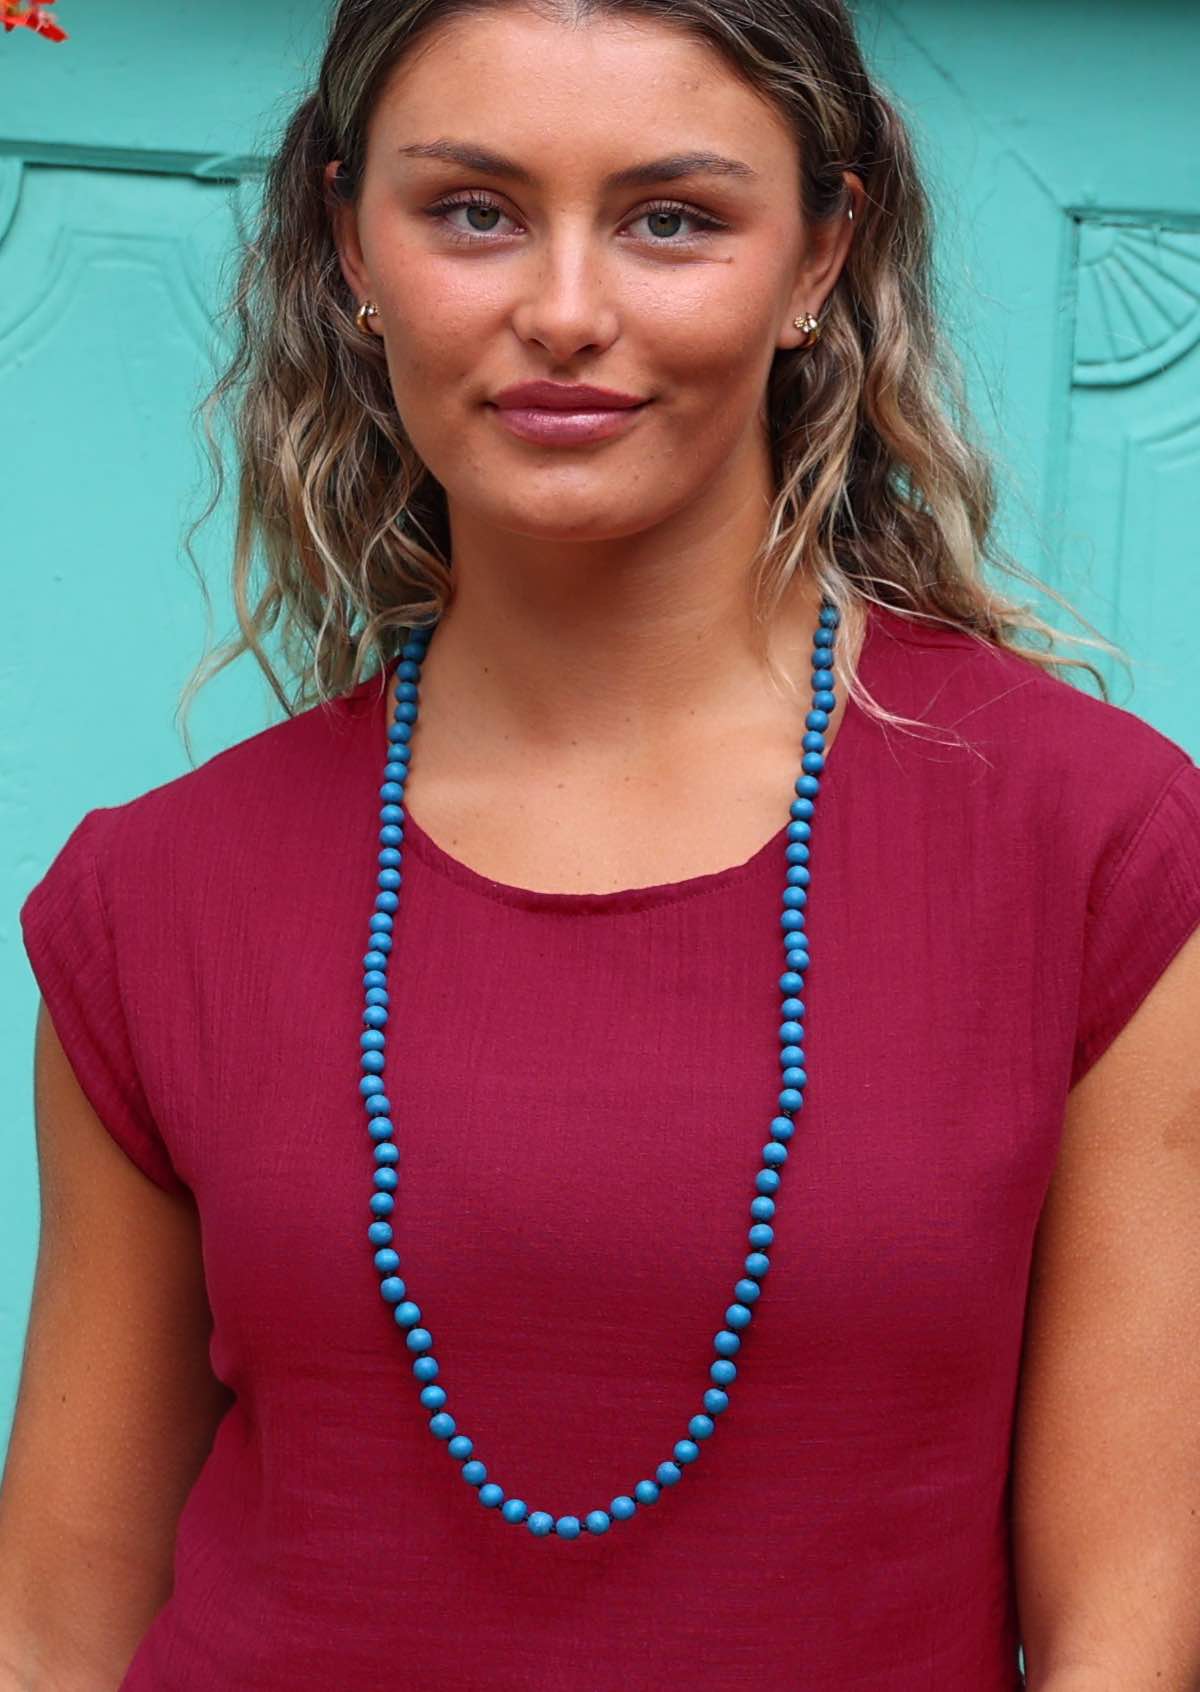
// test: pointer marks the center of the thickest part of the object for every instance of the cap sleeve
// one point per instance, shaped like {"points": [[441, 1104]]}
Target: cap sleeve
{"points": [[1147, 906], [77, 963]]}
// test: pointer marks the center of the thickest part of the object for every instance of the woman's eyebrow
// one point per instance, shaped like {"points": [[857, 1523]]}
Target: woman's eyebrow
{"points": [[667, 169]]}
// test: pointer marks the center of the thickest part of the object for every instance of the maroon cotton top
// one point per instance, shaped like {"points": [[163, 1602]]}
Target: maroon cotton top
{"points": [[582, 1084]]}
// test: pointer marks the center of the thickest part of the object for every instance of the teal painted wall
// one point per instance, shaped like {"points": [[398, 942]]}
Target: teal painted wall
{"points": [[1060, 148]]}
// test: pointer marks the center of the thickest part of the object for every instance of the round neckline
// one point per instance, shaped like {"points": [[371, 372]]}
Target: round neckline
{"points": [[621, 899]]}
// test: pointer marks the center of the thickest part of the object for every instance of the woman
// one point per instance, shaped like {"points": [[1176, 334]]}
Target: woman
{"points": [[676, 1319]]}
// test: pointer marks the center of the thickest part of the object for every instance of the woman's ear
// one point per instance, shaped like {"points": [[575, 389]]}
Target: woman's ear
{"points": [[343, 218], [827, 247]]}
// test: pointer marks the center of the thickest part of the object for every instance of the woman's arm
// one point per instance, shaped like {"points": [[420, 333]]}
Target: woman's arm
{"points": [[1106, 1499], [117, 1404]]}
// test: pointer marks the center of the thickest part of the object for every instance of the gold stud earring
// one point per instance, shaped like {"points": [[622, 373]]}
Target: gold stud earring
{"points": [[810, 326], [367, 309]]}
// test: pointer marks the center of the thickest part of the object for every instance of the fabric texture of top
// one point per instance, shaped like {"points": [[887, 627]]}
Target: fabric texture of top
{"points": [[582, 1085]]}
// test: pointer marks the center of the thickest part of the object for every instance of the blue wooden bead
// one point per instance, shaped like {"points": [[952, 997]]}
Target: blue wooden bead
{"points": [[567, 1527], [685, 1451], [540, 1523], [738, 1316], [460, 1447], [715, 1401], [408, 1314], [598, 1521], [622, 1507], [392, 1288], [701, 1427], [474, 1472], [514, 1509], [490, 1494], [433, 1398], [426, 1368], [442, 1425], [418, 1339], [726, 1342], [757, 1264], [747, 1290], [646, 1492], [668, 1474]]}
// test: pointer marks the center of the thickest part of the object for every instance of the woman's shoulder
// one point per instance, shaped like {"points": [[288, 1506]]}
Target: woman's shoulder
{"points": [[278, 780], [1032, 769], [1018, 714]]}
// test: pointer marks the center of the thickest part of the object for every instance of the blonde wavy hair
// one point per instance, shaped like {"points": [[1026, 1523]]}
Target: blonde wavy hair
{"points": [[882, 495]]}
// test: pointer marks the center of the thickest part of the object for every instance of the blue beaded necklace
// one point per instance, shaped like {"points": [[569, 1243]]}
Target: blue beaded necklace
{"points": [[407, 1315]]}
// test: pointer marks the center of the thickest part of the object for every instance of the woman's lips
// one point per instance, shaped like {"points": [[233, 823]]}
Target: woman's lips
{"points": [[567, 428]]}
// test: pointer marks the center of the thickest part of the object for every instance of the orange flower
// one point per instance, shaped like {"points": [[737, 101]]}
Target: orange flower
{"points": [[13, 15]]}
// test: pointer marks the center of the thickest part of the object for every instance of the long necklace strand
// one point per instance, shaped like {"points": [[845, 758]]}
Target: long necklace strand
{"points": [[728, 1341]]}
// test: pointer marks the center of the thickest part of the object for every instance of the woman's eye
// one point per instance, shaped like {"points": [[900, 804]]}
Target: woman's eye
{"points": [[663, 219], [670, 212], [488, 210]]}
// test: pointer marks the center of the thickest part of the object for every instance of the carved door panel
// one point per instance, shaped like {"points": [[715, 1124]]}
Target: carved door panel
{"points": [[1132, 470], [107, 287]]}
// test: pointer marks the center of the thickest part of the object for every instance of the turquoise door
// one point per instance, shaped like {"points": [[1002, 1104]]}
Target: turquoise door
{"points": [[1061, 145], [1060, 150]]}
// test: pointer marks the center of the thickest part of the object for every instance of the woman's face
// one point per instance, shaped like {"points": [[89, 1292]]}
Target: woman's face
{"points": [[537, 264]]}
